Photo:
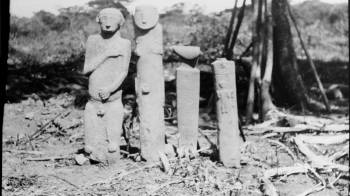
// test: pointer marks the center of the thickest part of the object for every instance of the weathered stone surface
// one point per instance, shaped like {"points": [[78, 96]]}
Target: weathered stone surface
{"points": [[228, 140], [187, 52], [187, 90], [80, 159], [150, 82], [146, 17], [106, 63]]}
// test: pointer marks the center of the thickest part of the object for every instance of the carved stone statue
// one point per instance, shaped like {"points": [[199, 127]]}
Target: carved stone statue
{"points": [[149, 82], [107, 60]]}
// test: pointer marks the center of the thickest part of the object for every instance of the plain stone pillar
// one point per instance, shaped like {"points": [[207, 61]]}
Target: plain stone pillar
{"points": [[150, 82], [227, 113], [187, 90]]}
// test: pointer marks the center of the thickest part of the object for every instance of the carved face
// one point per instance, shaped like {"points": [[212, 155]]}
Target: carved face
{"points": [[110, 20], [145, 17]]}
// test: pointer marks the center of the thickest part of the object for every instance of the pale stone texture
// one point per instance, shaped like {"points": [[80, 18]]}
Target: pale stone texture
{"points": [[187, 91], [150, 82], [107, 60], [227, 113]]}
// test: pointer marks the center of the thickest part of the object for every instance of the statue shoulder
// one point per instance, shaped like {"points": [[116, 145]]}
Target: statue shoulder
{"points": [[126, 42], [93, 38]]}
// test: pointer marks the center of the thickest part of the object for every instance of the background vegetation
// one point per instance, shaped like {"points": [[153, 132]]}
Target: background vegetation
{"points": [[47, 46]]}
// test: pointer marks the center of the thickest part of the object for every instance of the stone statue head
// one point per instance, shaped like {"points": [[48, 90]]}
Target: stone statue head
{"points": [[146, 17], [110, 20]]}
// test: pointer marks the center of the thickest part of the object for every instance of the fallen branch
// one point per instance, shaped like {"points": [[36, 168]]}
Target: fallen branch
{"points": [[316, 188], [285, 171], [339, 154], [298, 128], [336, 127], [66, 181], [283, 147], [325, 139], [268, 188], [25, 152], [43, 128], [47, 158], [269, 135], [317, 161]]}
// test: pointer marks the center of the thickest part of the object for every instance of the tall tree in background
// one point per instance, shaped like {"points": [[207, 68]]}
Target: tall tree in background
{"points": [[267, 62], [288, 84], [255, 69]]}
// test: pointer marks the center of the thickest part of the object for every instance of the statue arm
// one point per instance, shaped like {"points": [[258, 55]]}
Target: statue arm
{"points": [[124, 67], [92, 60]]}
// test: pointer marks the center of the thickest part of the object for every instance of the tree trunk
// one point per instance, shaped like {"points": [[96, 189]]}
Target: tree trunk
{"points": [[236, 31], [228, 40], [267, 57], [255, 63], [312, 65], [289, 87]]}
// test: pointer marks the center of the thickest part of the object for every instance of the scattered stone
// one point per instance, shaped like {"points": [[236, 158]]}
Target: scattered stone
{"points": [[29, 116], [80, 159]]}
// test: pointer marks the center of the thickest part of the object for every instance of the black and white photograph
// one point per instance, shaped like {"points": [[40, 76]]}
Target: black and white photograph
{"points": [[175, 97]]}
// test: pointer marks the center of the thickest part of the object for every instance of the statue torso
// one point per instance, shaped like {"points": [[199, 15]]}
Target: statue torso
{"points": [[108, 71]]}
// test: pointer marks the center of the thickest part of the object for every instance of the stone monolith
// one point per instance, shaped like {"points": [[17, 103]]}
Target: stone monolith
{"points": [[150, 81], [106, 64], [227, 113]]}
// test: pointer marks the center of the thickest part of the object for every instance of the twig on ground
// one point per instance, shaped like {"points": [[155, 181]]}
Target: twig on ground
{"points": [[25, 152], [312, 170], [285, 171], [66, 181], [269, 135], [298, 128], [43, 128], [316, 188], [48, 158], [124, 152], [268, 188], [206, 137], [283, 147], [317, 161], [339, 154], [336, 179]]}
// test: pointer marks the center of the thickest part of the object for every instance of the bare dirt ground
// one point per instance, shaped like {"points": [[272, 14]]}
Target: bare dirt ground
{"points": [[41, 139]]}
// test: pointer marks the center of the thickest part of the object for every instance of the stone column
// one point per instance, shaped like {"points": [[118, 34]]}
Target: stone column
{"points": [[227, 113], [187, 90], [150, 81]]}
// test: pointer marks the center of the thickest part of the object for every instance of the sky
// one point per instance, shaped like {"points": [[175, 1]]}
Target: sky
{"points": [[26, 8]]}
